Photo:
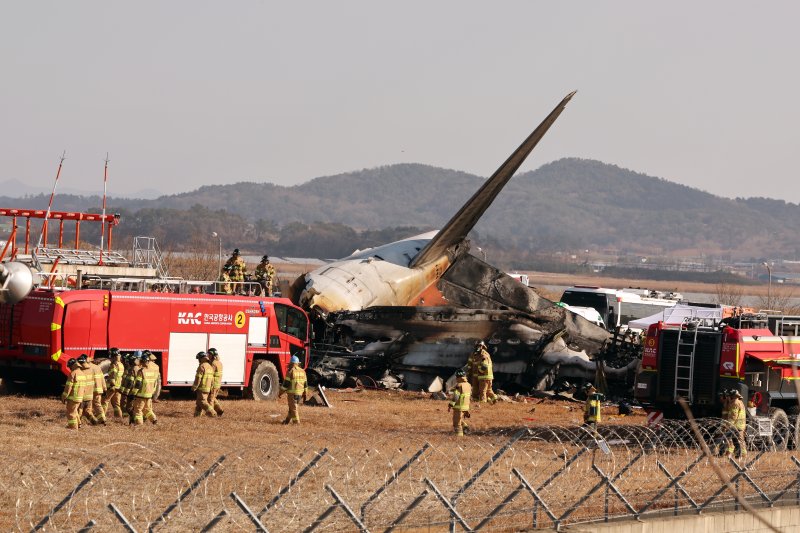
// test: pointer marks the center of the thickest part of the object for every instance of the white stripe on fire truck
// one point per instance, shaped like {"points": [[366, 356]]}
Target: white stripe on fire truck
{"points": [[172, 299], [34, 344]]}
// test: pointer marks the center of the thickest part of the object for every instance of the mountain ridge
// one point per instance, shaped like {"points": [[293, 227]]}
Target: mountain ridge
{"points": [[566, 204]]}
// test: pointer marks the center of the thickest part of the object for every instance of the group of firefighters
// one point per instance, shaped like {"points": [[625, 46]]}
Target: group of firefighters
{"points": [[132, 381], [474, 382], [128, 388], [234, 274]]}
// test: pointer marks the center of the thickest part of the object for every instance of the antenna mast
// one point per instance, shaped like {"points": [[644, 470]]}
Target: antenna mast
{"points": [[49, 206], [105, 187]]}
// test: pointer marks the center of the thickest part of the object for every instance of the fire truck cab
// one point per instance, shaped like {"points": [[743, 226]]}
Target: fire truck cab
{"points": [[254, 336], [756, 354]]}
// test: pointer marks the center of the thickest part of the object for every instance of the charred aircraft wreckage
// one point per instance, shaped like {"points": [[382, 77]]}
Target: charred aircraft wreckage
{"points": [[413, 309]]}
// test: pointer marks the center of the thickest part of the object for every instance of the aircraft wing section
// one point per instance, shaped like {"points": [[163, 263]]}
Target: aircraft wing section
{"points": [[461, 224]]}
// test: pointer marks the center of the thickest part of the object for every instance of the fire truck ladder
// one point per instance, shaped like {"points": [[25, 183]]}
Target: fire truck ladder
{"points": [[684, 359]]}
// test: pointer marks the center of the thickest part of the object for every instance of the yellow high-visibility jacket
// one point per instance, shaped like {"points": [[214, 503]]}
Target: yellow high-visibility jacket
{"points": [[203, 378], [75, 385], [295, 381], [146, 380], [217, 365], [114, 377], [485, 367], [461, 394]]}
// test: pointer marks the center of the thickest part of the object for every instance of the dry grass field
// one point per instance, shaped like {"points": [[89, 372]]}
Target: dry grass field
{"points": [[360, 444]]}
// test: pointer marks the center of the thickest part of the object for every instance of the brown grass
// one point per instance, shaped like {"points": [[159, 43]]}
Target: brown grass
{"points": [[369, 435]]}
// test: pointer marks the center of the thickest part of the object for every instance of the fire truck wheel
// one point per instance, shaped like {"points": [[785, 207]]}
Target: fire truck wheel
{"points": [[265, 383], [780, 428]]}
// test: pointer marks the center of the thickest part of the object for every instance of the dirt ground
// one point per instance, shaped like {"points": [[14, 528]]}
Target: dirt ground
{"points": [[369, 434], [379, 451]]}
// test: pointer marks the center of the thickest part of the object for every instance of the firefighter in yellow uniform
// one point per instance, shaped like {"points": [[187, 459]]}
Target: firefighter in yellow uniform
{"points": [[485, 377], [592, 411], [216, 385], [224, 281], [144, 388], [473, 363], [73, 394], [237, 271], [460, 403], [88, 390], [265, 275], [98, 410], [737, 419], [135, 365], [294, 385], [114, 384], [203, 383]]}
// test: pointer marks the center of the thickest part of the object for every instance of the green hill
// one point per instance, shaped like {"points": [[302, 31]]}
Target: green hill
{"points": [[567, 204]]}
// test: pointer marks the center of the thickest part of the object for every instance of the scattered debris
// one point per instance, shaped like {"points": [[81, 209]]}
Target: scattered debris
{"points": [[437, 385]]}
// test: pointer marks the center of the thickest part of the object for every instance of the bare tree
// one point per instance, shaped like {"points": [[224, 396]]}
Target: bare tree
{"points": [[729, 294], [200, 263], [780, 298]]}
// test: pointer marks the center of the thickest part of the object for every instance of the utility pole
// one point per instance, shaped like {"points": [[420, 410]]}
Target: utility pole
{"points": [[769, 285]]}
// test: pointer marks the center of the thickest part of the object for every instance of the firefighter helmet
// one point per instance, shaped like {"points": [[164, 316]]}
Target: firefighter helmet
{"points": [[202, 355], [235, 251], [735, 393], [294, 359], [588, 386], [212, 352], [72, 362], [113, 352], [480, 344], [83, 358], [460, 374], [265, 258]]}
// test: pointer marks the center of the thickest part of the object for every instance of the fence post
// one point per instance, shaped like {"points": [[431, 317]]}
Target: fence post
{"points": [[185, 493], [246, 510], [88, 527], [67, 498], [214, 521], [293, 481], [121, 518], [397, 474]]}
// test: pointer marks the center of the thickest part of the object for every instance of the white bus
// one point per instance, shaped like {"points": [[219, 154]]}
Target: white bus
{"points": [[617, 307]]}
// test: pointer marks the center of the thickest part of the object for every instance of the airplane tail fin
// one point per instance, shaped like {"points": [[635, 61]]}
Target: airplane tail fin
{"points": [[462, 223]]}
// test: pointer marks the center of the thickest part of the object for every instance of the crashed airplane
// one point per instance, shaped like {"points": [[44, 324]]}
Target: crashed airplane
{"points": [[415, 307]]}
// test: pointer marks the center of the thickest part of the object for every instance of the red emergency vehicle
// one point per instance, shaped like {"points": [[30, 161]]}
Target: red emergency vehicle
{"points": [[756, 354], [255, 336]]}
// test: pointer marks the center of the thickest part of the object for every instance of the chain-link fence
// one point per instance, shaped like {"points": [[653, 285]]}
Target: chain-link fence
{"points": [[347, 481]]}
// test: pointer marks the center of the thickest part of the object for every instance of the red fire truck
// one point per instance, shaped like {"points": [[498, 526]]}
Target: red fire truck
{"points": [[756, 354], [255, 336]]}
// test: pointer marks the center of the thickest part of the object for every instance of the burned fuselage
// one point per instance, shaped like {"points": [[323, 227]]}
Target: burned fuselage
{"points": [[534, 343]]}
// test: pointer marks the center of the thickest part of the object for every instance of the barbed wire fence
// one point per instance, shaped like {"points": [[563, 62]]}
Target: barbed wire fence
{"points": [[504, 480]]}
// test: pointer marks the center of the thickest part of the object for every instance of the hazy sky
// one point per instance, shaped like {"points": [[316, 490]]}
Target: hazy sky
{"points": [[188, 93]]}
